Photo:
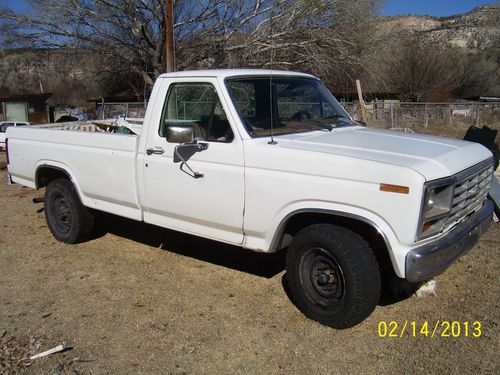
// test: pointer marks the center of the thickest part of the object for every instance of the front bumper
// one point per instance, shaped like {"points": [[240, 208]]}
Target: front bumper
{"points": [[427, 261]]}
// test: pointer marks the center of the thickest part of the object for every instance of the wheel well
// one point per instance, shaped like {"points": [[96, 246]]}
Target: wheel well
{"points": [[368, 232], [46, 174]]}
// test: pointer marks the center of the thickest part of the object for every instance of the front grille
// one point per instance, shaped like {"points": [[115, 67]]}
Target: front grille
{"points": [[469, 193]]}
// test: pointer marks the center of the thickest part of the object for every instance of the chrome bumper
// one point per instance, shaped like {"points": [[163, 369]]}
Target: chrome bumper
{"points": [[427, 261]]}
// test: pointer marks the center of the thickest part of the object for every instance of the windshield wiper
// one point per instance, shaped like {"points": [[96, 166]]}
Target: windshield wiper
{"points": [[334, 117], [328, 127], [339, 121]]}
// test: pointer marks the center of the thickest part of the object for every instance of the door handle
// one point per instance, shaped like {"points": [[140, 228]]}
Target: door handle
{"points": [[155, 150]]}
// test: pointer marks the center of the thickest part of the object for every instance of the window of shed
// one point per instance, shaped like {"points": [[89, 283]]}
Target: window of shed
{"points": [[36, 106]]}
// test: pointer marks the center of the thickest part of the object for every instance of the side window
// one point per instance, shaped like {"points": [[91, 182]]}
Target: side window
{"points": [[198, 105]]}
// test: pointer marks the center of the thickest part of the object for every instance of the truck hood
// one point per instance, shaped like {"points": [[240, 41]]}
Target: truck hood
{"points": [[433, 157]]}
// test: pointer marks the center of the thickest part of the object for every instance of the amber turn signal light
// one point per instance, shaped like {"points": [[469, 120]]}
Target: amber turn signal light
{"points": [[394, 188]]}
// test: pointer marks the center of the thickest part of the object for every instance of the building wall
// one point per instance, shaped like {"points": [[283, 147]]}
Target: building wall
{"points": [[35, 111], [39, 117]]}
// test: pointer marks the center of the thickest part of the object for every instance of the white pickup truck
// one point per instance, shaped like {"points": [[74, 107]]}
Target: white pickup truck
{"points": [[269, 160]]}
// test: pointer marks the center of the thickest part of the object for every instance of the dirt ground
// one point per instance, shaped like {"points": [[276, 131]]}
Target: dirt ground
{"points": [[145, 300]]}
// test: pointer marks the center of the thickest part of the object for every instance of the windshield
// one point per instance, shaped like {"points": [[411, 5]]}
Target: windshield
{"points": [[297, 105]]}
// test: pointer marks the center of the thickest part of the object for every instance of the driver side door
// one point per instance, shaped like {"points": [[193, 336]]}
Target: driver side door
{"points": [[173, 197]]}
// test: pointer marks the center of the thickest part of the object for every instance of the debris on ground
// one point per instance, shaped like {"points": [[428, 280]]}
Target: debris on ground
{"points": [[40, 199], [62, 369], [16, 351], [429, 289], [57, 349]]}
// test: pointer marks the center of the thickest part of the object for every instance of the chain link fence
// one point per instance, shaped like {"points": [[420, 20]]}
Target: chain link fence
{"points": [[115, 110], [444, 119], [186, 110]]}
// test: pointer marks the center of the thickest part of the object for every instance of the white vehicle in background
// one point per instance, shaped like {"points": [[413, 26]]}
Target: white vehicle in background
{"points": [[268, 160], [3, 128]]}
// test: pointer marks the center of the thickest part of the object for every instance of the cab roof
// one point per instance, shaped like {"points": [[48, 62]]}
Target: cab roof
{"points": [[225, 73]]}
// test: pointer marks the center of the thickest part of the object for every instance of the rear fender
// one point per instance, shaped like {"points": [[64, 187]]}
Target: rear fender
{"points": [[59, 167]]}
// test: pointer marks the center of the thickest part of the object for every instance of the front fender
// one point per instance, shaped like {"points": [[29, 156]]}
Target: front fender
{"points": [[272, 238]]}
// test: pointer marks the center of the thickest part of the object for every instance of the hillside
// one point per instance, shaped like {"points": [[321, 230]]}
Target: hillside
{"points": [[474, 31]]}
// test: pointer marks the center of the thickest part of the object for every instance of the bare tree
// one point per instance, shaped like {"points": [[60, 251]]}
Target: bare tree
{"points": [[18, 70], [418, 69], [319, 36], [481, 77], [312, 35]]}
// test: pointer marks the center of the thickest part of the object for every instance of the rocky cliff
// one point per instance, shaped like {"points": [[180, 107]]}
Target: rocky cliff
{"points": [[474, 31]]}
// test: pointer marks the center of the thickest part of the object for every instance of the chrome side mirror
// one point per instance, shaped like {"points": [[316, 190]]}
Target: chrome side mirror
{"points": [[180, 133]]}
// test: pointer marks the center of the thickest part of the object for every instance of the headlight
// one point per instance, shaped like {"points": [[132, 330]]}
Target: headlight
{"points": [[435, 208]]}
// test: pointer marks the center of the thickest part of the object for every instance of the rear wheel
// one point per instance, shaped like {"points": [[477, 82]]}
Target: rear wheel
{"points": [[68, 219], [333, 275]]}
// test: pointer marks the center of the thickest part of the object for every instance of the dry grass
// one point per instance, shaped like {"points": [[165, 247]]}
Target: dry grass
{"points": [[144, 300], [15, 352]]}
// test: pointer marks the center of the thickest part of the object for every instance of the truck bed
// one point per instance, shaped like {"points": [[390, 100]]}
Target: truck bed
{"points": [[101, 163], [134, 125]]}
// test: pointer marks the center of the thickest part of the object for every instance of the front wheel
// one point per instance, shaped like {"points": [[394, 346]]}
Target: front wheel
{"points": [[333, 275], [67, 218]]}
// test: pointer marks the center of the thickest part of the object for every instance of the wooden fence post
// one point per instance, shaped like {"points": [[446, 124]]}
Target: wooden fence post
{"points": [[361, 101], [426, 122]]}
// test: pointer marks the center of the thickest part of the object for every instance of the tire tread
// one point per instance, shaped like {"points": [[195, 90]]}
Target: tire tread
{"points": [[82, 219], [357, 258]]}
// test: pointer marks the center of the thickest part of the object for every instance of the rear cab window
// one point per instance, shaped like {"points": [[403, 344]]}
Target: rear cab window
{"points": [[3, 127]]}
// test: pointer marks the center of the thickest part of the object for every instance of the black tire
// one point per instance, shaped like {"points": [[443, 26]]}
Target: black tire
{"points": [[333, 275], [67, 218]]}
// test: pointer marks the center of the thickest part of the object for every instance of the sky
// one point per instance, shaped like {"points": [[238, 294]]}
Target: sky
{"points": [[437, 8], [14, 4]]}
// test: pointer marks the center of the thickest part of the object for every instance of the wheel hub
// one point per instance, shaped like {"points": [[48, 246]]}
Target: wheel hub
{"points": [[325, 276], [62, 214], [324, 281]]}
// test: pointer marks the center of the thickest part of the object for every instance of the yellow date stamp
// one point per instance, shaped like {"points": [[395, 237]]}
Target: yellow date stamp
{"points": [[441, 328]]}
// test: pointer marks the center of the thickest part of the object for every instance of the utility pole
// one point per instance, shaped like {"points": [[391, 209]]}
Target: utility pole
{"points": [[40, 82], [169, 35]]}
